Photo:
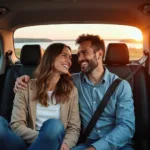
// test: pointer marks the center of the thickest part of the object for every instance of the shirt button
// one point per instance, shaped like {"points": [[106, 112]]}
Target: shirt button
{"points": [[98, 131], [94, 102], [94, 88]]}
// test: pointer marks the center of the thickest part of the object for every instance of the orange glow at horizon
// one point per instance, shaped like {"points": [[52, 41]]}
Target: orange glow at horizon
{"points": [[72, 31]]}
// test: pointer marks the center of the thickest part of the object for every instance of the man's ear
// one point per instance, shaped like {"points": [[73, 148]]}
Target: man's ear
{"points": [[100, 54]]}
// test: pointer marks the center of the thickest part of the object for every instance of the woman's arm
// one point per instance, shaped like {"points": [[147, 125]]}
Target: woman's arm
{"points": [[73, 127], [20, 116]]}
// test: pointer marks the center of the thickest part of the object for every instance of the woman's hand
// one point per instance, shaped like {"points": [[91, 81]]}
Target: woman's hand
{"points": [[91, 148], [64, 147]]}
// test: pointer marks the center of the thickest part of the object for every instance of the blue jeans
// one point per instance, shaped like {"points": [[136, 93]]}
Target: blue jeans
{"points": [[83, 146], [50, 137], [89, 142]]}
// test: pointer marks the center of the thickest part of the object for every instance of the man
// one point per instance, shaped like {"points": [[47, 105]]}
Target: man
{"points": [[115, 127]]}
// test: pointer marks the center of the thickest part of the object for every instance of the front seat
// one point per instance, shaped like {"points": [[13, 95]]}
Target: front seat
{"points": [[117, 61], [30, 58]]}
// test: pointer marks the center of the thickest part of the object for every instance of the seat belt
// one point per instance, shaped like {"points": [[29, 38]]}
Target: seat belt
{"points": [[8, 56], [100, 109], [105, 101], [133, 72]]}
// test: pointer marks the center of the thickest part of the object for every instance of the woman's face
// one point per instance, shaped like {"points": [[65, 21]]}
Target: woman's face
{"points": [[63, 62]]}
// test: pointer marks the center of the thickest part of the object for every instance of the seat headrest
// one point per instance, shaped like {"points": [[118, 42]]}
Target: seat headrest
{"points": [[117, 53], [31, 54]]}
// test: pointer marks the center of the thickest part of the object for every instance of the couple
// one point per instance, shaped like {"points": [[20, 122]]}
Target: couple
{"points": [[53, 95]]}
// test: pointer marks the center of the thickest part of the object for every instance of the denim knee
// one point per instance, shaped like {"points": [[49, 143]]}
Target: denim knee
{"points": [[3, 121], [3, 127], [52, 129]]}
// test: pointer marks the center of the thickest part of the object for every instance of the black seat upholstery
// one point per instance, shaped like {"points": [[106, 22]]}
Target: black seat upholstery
{"points": [[117, 61], [75, 65], [117, 53], [30, 57]]}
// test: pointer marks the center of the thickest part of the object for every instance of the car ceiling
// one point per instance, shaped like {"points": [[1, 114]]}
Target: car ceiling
{"points": [[32, 12]]}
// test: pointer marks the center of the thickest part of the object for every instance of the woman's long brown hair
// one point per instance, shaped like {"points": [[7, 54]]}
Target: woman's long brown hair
{"points": [[44, 73]]}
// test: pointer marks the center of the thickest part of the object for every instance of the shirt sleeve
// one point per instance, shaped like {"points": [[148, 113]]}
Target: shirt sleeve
{"points": [[74, 123], [19, 118], [125, 121]]}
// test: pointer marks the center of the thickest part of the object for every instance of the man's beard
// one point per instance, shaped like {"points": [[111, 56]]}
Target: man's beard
{"points": [[92, 64]]}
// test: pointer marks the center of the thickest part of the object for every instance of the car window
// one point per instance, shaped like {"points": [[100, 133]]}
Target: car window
{"points": [[67, 33]]}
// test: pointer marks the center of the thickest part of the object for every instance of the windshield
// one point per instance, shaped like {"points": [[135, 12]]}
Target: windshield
{"points": [[67, 33]]}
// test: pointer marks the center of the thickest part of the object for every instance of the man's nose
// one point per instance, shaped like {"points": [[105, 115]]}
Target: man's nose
{"points": [[80, 58]]}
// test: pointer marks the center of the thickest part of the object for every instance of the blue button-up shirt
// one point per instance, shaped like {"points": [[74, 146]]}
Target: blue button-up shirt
{"points": [[116, 125]]}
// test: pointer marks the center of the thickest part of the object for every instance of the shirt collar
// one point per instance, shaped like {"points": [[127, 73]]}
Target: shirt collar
{"points": [[105, 77]]}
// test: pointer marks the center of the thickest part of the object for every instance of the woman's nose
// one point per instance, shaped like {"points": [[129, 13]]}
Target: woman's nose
{"points": [[69, 61]]}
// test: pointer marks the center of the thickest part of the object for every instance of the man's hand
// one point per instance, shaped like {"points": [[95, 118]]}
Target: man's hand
{"points": [[21, 83], [91, 148], [64, 147]]}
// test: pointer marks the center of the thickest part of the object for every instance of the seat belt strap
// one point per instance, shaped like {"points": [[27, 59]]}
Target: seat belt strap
{"points": [[133, 72], [100, 108], [8, 55]]}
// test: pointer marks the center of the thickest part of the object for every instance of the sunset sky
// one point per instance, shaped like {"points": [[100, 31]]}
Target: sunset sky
{"points": [[72, 31]]}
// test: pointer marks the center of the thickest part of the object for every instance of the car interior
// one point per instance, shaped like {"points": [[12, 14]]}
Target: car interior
{"points": [[17, 14]]}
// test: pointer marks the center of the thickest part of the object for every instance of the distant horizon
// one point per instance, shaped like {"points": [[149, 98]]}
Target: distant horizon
{"points": [[72, 39], [106, 39]]}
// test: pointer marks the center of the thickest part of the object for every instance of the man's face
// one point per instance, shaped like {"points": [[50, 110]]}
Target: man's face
{"points": [[87, 58]]}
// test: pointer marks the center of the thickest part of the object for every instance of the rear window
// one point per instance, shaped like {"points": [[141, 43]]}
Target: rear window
{"points": [[67, 33]]}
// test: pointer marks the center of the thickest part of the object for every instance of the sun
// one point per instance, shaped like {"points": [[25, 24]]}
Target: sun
{"points": [[137, 36]]}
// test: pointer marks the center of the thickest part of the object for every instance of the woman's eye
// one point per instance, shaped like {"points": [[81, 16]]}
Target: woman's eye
{"points": [[64, 55]]}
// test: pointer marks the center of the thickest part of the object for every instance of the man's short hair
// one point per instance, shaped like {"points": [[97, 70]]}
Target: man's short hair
{"points": [[96, 41]]}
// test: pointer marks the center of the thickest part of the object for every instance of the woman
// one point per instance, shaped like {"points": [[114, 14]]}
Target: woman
{"points": [[45, 115]]}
